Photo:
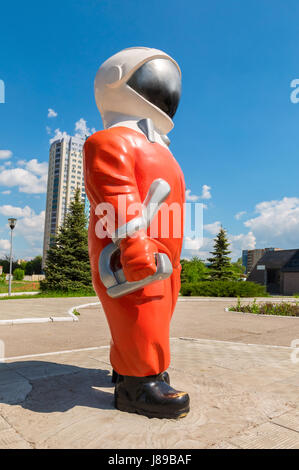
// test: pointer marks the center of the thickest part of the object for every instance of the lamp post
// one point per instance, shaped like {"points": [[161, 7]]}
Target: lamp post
{"points": [[12, 223]]}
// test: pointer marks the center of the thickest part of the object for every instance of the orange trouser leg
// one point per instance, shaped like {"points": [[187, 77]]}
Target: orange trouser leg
{"points": [[139, 325]]}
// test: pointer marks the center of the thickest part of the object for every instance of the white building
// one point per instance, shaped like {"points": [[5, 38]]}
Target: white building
{"points": [[65, 174]]}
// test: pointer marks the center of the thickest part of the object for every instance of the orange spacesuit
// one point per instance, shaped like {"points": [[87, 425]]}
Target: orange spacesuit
{"points": [[135, 270], [122, 161]]}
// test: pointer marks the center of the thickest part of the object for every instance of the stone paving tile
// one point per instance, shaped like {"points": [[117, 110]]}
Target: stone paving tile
{"points": [[225, 355], [293, 380], [268, 436], [8, 377], [41, 307], [3, 424], [69, 400], [14, 392], [9, 439], [224, 445], [288, 420]]}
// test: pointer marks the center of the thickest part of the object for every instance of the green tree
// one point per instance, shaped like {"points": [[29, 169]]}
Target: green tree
{"points": [[18, 274], [238, 269], [193, 270], [23, 265], [67, 265], [34, 266], [220, 263], [5, 264]]}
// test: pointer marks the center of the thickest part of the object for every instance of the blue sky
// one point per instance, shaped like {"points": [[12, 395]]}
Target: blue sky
{"points": [[236, 130]]}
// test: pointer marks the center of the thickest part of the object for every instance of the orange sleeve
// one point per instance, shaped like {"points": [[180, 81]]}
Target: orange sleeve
{"points": [[109, 164]]}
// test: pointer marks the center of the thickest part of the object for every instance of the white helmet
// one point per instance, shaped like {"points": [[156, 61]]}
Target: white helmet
{"points": [[139, 82]]}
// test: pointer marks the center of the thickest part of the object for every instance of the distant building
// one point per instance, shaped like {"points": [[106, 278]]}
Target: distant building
{"points": [[65, 174], [278, 271], [251, 257]]}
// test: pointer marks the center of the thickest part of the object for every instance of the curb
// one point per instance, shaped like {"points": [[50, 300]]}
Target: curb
{"points": [[15, 294], [72, 317]]}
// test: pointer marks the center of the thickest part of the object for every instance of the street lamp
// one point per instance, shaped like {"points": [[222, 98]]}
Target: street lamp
{"points": [[12, 223]]}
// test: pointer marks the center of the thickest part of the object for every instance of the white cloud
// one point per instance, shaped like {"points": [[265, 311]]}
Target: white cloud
{"points": [[48, 130], [277, 223], [52, 113], [58, 135], [203, 250], [16, 211], [81, 131], [6, 192], [206, 194], [243, 241], [192, 244], [37, 168], [31, 227], [4, 154], [240, 214], [32, 179], [213, 228], [191, 197], [4, 247], [196, 247]]}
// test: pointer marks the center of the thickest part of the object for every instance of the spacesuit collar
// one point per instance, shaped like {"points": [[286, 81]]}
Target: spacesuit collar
{"points": [[145, 126]]}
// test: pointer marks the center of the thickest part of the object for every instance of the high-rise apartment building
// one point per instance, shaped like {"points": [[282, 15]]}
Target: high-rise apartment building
{"points": [[65, 174]]}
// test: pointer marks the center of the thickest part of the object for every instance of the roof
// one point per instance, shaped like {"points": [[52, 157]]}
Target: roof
{"points": [[284, 260], [276, 259], [293, 264]]}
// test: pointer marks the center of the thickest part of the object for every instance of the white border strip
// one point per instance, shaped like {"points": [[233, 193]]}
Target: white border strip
{"points": [[276, 346], [71, 317], [54, 353], [15, 294], [71, 310]]}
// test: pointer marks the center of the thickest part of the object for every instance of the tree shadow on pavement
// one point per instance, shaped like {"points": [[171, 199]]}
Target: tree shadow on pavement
{"points": [[48, 387]]}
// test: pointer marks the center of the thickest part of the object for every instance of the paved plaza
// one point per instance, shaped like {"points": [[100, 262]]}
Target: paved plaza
{"points": [[240, 371]]}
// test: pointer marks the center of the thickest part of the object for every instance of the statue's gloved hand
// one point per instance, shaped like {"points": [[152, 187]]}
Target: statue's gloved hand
{"points": [[138, 256]]}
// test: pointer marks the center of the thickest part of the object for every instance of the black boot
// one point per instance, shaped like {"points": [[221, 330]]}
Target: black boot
{"points": [[115, 375], [150, 396]]}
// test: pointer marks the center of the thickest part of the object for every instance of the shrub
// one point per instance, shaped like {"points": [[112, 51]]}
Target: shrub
{"points": [[2, 278], [18, 274], [223, 289], [268, 308]]}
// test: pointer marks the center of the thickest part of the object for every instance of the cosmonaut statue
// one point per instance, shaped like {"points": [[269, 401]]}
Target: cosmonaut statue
{"points": [[136, 274]]}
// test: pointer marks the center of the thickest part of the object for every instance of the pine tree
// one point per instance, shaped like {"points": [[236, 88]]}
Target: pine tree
{"points": [[220, 267], [67, 265]]}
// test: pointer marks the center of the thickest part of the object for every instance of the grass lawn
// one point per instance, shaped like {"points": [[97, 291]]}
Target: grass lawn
{"points": [[20, 286], [52, 294]]}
